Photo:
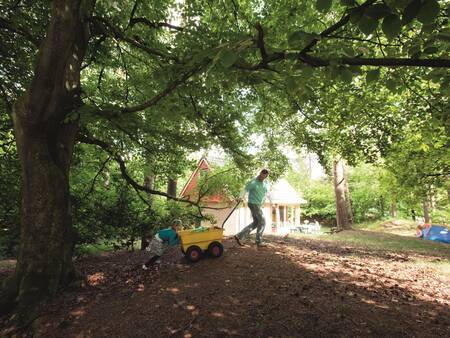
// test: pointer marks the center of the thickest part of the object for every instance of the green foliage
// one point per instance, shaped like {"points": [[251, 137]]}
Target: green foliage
{"points": [[9, 192], [324, 5], [226, 181], [391, 26], [321, 203], [212, 85], [367, 197], [428, 11]]}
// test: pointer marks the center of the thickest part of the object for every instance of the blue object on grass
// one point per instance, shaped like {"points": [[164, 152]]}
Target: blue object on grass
{"points": [[437, 233]]}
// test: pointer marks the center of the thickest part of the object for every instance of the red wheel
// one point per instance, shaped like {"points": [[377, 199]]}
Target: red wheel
{"points": [[215, 249], [194, 253]]}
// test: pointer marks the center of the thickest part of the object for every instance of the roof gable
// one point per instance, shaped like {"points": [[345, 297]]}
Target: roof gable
{"points": [[282, 192], [189, 190]]}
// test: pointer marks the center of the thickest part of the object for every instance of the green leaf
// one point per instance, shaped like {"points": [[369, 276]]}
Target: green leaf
{"points": [[227, 58], [348, 51], [291, 83], [378, 11], [414, 51], [428, 28], [356, 15], [323, 5], [372, 75], [346, 75], [367, 24], [391, 85], [333, 72], [411, 11], [348, 3], [430, 50], [391, 26], [443, 37], [299, 39], [307, 72], [428, 12]]}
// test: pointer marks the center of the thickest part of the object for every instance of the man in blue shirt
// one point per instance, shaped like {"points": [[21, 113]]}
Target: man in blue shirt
{"points": [[257, 189]]}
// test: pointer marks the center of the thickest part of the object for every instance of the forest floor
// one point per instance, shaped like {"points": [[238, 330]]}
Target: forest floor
{"points": [[297, 286]]}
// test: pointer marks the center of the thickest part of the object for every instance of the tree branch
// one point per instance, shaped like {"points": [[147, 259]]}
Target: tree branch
{"points": [[387, 62], [350, 38], [20, 31], [260, 43], [170, 88], [138, 187], [95, 177], [342, 22], [116, 33], [156, 25]]}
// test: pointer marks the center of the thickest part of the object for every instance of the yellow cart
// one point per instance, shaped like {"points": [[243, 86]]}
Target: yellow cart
{"points": [[196, 242], [202, 240]]}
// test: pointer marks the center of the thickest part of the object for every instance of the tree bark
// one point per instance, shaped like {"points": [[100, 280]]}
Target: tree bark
{"points": [[343, 208], [172, 187], [394, 209], [426, 211], [348, 201], [45, 141]]}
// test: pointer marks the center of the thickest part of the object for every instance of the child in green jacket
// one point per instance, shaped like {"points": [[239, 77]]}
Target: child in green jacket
{"points": [[162, 240]]}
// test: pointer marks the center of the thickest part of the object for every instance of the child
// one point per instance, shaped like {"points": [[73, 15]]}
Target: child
{"points": [[163, 239]]}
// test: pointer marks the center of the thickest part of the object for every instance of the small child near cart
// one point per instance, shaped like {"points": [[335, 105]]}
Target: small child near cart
{"points": [[162, 240]]}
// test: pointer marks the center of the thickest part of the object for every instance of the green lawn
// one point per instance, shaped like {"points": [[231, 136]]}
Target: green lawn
{"points": [[395, 236]]}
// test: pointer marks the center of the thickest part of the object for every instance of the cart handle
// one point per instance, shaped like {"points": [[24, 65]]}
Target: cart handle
{"points": [[232, 210]]}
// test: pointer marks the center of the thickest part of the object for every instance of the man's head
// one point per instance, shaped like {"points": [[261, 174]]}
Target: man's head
{"points": [[263, 174]]}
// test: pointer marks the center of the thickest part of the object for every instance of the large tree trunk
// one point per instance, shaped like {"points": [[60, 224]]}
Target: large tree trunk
{"points": [[45, 144], [343, 207]]}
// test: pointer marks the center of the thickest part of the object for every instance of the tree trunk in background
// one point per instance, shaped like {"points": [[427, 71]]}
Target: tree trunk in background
{"points": [[426, 211], [343, 208], [348, 201], [149, 182], [432, 200], [394, 208], [45, 144], [172, 187]]}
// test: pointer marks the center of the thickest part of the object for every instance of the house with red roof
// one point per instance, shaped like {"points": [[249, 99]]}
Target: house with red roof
{"points": [[281, 215]]}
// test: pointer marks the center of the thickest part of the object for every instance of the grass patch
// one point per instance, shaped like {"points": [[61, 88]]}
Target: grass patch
{"points": [[391, 234], [395, 226], [389, 241]]}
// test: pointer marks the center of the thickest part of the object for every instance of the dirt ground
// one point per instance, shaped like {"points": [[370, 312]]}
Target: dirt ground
{"points": [[292, 288]]}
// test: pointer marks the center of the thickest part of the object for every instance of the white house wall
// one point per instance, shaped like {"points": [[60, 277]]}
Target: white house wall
{"points": [[241, 217]]}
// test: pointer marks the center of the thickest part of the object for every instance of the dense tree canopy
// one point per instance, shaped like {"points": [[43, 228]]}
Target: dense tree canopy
{"points": [[133, 87]]}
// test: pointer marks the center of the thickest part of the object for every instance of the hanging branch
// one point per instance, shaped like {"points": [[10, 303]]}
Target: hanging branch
{"points": [[107, 28], [169, 89], [95, 177], [156, 25], [123, 169], [342, 22], [314, 61], [4, 24]]}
